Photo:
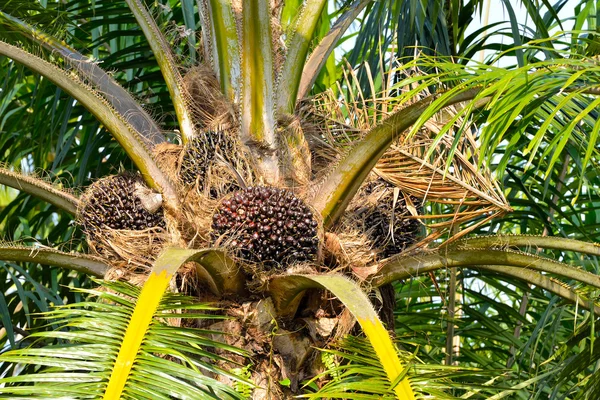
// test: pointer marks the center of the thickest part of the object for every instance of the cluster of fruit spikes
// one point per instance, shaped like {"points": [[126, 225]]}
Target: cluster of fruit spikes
{"points": [[266, 225], [385, 223], [200, 152], [390, 230], [112, 203]]}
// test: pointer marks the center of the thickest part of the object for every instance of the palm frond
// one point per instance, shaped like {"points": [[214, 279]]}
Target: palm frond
{"points": [[344, 180], [48, 256], [297, 49], [258, 88], [96, 104], [116, 95], [172, 359], [221, 38], [354, 373], [404, 266], [168, 67], [41, 189], [319, 56]]}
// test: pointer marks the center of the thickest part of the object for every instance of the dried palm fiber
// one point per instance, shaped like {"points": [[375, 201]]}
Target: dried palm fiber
{"points": [[326, 137], [349, 248], [266, 225], [210, 108], [294, 153], [123, 220], [167, 156]]}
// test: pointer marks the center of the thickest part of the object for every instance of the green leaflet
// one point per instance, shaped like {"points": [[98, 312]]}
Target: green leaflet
{"points": [[80, 368]]}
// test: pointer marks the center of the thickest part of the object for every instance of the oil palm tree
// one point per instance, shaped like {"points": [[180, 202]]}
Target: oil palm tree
{"points": [[287, 191]]}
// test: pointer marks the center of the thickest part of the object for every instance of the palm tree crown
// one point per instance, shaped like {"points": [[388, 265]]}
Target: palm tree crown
{"points": [[221, 202]]}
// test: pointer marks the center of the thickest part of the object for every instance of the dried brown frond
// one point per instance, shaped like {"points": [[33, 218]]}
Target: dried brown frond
{"points": [[464, 191]]}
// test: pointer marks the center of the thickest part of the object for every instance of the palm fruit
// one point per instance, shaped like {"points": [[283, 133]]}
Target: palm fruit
{"points": [[387, 225], [200, 152], [392, 236], [266, 225], [114, 203]]}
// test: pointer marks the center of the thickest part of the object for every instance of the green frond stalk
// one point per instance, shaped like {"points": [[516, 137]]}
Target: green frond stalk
{"points": [[108, 116], [38, 188], [297, 49], [530, 242], [285, 293], [317, 59], [404, 267], [541, 281], [223, 275], [147, 304], [119, 98], [71, 261], [168, 67], [221, 30], [342, 183], [258, 108]]}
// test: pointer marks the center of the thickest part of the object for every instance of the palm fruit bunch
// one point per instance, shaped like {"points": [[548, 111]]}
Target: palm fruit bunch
{"points": [[114, 203], [266, 225], [387, 224], [392, 233], [200, 152]]}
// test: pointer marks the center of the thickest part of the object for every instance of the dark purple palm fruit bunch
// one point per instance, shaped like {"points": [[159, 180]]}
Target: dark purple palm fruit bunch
{"points": [[387, 225], [390, 230], [112, 203], [266, 225]]}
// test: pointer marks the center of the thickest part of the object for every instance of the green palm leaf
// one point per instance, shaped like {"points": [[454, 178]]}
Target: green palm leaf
{"points": [[353, 373], [171, 360]]}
